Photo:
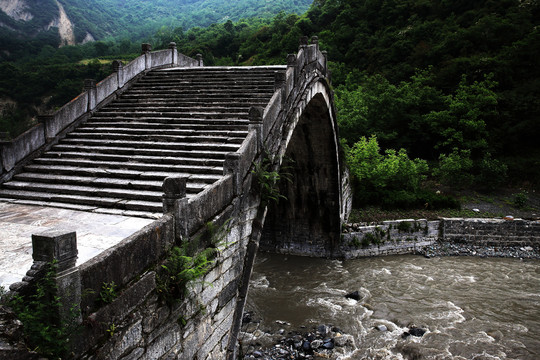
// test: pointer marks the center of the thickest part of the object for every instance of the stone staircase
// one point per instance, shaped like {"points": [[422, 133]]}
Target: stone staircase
{"points": [[172, 122]]}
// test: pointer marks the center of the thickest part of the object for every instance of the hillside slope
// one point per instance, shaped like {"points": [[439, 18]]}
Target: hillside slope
{"points": [[67, 22]]}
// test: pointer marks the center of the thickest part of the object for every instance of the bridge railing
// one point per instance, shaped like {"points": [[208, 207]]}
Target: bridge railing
{"points": [[51, 127], [308, 60]]}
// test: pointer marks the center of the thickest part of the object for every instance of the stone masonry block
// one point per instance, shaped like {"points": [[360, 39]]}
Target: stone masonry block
{"points": [[55, 245]]}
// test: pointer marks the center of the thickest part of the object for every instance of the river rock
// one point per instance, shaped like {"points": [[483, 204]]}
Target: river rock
{"points": [[355, 295], [344, 340], [315, 344], [328, 344], [246, 319], [419, 332], [323, 330]]}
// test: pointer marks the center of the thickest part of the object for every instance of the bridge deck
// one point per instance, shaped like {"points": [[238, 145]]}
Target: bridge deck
{"points": [[95, 233]]}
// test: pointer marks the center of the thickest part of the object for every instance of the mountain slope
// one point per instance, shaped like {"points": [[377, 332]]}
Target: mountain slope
{"points": [[77, 21]]}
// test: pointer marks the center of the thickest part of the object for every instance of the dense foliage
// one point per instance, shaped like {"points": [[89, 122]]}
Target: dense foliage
{"points": [[455, 83], [128, 20]]}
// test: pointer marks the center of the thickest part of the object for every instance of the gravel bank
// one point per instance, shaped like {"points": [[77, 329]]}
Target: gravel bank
{"points": [[457, 249]]}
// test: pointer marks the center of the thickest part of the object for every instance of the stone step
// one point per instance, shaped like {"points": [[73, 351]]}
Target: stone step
{"points": [[172, 113], [119, 173], [108, 182], [203, 92], [223, 97], [198, 154], [90, 200], [133, 165], [225, 147], [184, 122], [222, 71], [167, 159], [105, 192], [174, 124], [106, 136], [149, 107], [243, 104], [106, 127], [211, 82]]}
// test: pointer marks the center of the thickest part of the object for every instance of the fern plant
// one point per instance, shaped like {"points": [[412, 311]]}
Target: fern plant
{"points": [[186, 264]]}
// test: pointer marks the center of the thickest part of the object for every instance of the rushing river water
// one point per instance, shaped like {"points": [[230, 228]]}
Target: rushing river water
{"points": [[472, 308]]}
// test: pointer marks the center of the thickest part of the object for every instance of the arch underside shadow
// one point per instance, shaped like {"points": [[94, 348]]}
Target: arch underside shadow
{"points": [[308, 221]]}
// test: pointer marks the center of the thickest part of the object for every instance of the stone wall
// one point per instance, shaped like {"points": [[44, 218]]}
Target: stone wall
{"points": [[491, 232], [389, 238], [409, 236]]}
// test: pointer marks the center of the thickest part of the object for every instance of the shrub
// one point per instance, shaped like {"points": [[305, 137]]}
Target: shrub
{"points": [[521, 198], [492, 173], [44, 332], [378, 177], [455, 169]]}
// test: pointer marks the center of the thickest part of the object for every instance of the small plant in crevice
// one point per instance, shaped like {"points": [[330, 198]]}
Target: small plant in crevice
{"points": [[356, 242], [366, 241], [187, 264], [108, 292], [404, 226], [267, 179], [111, 330], [44, 332]]}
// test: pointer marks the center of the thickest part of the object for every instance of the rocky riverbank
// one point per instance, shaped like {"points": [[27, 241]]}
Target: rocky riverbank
{"points": [[322, 342], [444, 248]]}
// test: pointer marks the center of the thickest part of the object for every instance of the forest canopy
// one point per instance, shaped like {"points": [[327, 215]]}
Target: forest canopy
{"points": [[455, 83]]}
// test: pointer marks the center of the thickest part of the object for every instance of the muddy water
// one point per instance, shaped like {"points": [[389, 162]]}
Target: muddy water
{"points": [[472, 308]]}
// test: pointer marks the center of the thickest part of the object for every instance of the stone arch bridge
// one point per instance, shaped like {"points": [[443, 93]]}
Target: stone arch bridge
{"points": [[167, 138]]}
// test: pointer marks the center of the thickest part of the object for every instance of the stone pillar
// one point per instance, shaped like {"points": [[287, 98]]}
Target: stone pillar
{"points": [[279, 84], [46, 119], [232, 166], [199, 60], [174, 53], [256, 123], [90, 87], [315, 41], [325, 55], [118, 68], [303, 41], [61, 246], [145, 50], [291, 64], [176, 202], [279, 80]]}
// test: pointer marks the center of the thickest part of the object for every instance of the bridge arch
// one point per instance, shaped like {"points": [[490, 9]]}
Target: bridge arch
{"points": [[308, 220]]}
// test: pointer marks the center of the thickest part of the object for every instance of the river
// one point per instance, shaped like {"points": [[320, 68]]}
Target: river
{"points": [[472, 308]]}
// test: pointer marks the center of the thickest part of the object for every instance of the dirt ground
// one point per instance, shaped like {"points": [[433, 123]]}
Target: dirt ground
{"points": [[524, 204]]}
